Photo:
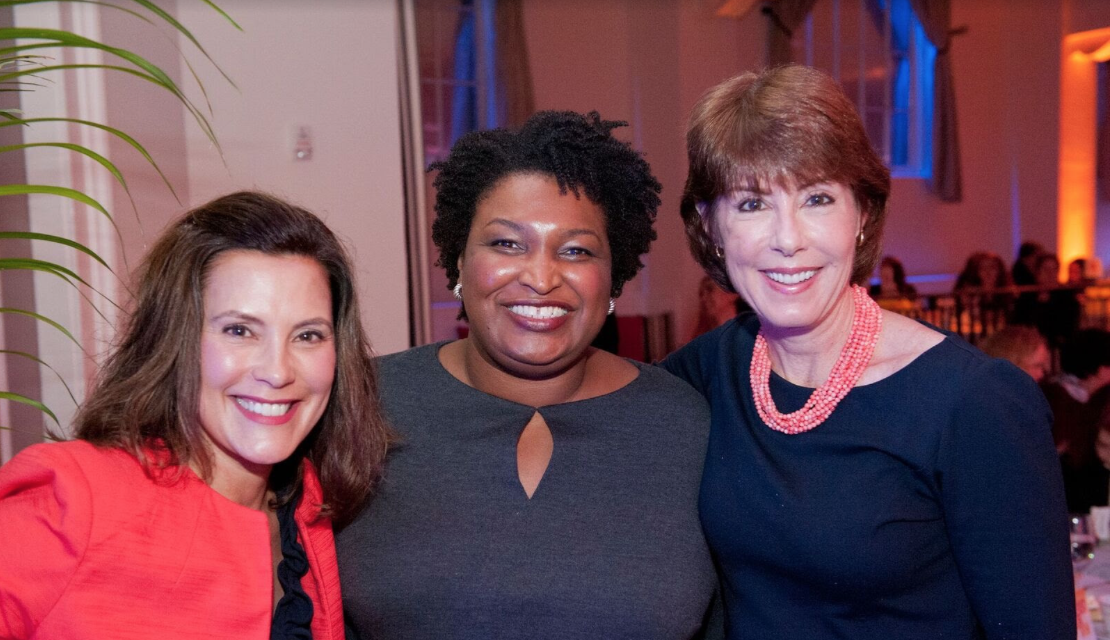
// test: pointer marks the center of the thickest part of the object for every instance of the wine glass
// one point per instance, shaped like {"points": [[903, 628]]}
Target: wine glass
{"points": [[1083, 538]]}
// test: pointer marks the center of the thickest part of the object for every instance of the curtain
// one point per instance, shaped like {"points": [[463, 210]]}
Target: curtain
{"points": [[513, 84], [900, 24], [784, 17], [947, 183], [1102, 167], [493, 32], [463, 100]]}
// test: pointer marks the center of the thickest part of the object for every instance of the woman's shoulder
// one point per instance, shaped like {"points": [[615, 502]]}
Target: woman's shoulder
{"points": [[730, 339], [973, 382], [74, 458], [422, 357], [59, 489], [413, 375], [658, 381], [729, 345]]}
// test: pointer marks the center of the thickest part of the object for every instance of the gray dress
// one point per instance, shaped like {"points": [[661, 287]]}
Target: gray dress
{"points": [[609, 545]]}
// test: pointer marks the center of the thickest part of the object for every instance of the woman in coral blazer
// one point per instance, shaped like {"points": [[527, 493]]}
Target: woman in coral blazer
{"points": [[235, 421]]}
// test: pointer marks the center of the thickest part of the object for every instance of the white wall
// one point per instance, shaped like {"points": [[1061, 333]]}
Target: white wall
{"points": [[331, 66]]}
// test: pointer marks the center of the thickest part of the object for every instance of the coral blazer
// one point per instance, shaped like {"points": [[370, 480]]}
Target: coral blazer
{"points": [[91, 547]]}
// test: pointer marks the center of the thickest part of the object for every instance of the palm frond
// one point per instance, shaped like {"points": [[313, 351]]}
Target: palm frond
{"points": [[15, 397], [40, 361]]}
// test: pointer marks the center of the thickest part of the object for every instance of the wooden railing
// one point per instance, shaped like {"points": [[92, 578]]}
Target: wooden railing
{"points": [[975, 314]]}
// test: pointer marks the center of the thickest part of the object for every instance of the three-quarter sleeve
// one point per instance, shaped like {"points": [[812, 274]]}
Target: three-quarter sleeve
{"points": [[45, 522], [1003, 499]]}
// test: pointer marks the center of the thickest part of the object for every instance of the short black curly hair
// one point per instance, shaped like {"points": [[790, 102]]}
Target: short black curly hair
{"points": [[580, 152]]}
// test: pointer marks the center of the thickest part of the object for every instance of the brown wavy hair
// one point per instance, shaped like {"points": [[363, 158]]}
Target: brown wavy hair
{"points": [[789, 125], [147, 393]]}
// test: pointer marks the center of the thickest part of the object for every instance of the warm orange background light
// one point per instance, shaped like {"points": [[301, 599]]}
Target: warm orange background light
{"points": [[1075, 216]]}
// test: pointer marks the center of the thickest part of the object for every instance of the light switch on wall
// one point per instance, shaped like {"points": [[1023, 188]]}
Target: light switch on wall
{"points": [[302, 143]]}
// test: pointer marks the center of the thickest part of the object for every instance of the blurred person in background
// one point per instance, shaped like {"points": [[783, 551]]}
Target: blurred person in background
{"points": [[1077, 272], [984, 274], [892, 281], [1078, 396], [1052, 309], [1025, 347], [1024, 271], [715, 306]]}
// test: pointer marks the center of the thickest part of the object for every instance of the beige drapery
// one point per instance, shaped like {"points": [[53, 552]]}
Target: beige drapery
{"points": [[947, 182], [513, 87]]}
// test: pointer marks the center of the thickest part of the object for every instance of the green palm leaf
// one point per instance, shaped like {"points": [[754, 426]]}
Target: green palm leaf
{"points": [[87, 152], [44, 319], [32, 264], [115, 132], [155, 79], [29, 356], [156, 10], [221, 12], [64, 192], [24, 68], [15, 397], [29, 235]]}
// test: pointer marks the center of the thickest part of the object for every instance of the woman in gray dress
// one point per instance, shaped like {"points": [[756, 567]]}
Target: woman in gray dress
{"points": [[540, 488]]}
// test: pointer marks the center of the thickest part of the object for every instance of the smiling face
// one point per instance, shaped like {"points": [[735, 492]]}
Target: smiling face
{"points": [[536, 275], [1075, 272], [267, 355], [789, 251], [1048, 272], [989, 272]]}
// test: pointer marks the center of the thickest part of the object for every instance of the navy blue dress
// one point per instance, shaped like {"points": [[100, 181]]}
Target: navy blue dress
{"points": [[929, 505]]}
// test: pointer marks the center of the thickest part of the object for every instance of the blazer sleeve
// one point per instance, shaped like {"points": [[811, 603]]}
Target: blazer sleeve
{"points": [[45, 522], [1003, 500]]}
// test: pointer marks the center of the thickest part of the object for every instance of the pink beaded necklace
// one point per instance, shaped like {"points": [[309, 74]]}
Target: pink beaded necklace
{"points": [[867, 321]]}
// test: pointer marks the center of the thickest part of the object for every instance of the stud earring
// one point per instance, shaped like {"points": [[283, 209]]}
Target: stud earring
{"points": [[861, 237], [612, 306], [457, 291], [720, 253]]}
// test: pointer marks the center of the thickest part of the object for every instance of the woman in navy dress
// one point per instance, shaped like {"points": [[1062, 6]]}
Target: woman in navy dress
{"points": [[868, 477]]}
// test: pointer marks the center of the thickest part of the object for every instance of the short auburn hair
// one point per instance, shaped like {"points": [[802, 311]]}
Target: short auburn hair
{"points": [[1015, 343], [789, 125]]}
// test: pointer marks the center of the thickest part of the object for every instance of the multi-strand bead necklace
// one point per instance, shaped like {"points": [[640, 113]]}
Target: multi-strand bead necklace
{"points": [[867, 321]]}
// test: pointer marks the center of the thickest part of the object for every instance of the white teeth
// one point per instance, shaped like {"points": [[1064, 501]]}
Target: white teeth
{"points": [[541, 313], [791, 278], [264, 408]]}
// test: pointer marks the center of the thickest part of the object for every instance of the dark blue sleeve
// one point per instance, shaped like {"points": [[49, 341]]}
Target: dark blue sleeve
{"points": [[691, 361], [1003, 500]]}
